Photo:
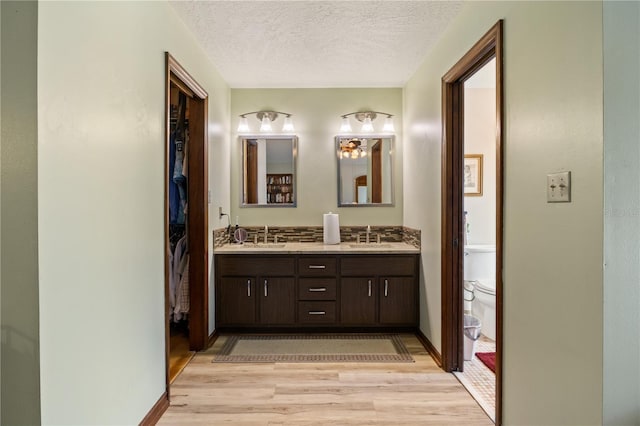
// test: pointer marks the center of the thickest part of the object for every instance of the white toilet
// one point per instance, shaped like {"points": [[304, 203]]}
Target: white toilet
{"points": [[480, 271]]}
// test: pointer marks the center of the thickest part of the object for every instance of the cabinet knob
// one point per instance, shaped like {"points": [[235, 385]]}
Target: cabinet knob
{"points": [[386, 287], [265, 289], [317, 266], [317, 313], [318, 289], [369, 288], [248, 288]]}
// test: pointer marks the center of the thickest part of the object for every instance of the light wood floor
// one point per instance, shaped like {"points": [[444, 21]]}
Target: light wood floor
{"points": [[320, 393]]}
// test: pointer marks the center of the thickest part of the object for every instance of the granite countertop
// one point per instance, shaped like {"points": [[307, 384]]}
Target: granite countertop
{"points": [[317, 248]]}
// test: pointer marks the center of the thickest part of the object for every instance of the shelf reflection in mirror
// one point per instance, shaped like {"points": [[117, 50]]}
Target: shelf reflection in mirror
{"points": [[365, 172], [269, 171]]}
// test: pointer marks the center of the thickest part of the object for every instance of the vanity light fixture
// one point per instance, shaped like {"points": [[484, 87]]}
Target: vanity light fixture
{"points": [[367, 125], [288, 124], [388, 125], [367, 118], [345, 127], [265, 125], [243, 126], [266, 118]]}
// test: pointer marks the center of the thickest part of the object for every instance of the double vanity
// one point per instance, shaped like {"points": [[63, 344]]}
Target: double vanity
{"points": [[300, 285], [312, 285]]}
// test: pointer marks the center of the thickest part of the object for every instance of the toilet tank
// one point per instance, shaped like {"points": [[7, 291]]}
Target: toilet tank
{"points": [[479, 262]]}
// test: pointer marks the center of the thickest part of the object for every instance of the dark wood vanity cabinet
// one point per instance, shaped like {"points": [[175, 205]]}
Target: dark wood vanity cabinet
{"points": [[358, 301], [317, 290], [398, 297], [277, 301], [237, 298], [302, 291], [255, 291], [379, 290]]}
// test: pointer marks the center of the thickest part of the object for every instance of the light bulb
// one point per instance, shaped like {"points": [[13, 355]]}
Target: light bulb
{"points": [[345, 154], [354, 154], [363, 153], [266, 124], [345, 126], [243, 126], [388, 125], [367, 125], [288, 125]]}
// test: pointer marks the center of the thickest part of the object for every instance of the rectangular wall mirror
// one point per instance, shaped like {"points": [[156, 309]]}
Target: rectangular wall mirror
{"points": [[269, 171], [365, 172]]}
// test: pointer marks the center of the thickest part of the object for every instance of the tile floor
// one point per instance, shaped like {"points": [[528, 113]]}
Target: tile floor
{"points": [[479, 380]]}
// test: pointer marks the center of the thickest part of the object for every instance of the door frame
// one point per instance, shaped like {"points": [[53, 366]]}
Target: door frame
{"points": [[198, 217], [376, 172], [488, 47]]}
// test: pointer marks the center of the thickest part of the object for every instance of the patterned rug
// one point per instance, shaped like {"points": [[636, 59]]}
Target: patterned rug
{"points": [[314, 348]]}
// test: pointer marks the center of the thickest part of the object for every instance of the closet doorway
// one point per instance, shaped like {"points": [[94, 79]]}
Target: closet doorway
{"points": [[453, 179], [186, 218]]}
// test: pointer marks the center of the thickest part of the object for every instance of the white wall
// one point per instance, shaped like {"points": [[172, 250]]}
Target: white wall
{"points": [[622, 213], [480, 138], [316, 116], [553, 252], [101, 80], [19, 198]]}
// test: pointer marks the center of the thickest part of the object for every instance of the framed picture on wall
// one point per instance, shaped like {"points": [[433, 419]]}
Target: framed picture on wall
{"points": [[473, 175]]}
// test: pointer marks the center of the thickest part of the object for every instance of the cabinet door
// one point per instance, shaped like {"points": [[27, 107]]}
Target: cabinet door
{"points": [[398, 300], [277, 300], [237, 301], [358, 301]]}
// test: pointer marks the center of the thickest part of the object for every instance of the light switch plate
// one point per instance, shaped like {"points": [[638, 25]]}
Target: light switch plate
{"points": [[559, 187]]}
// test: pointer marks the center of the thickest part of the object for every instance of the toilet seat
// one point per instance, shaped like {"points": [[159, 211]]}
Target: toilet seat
{"points": [[486, 286]]}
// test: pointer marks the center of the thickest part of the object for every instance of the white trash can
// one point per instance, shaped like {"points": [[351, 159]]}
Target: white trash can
{"points": [[472, 327]]}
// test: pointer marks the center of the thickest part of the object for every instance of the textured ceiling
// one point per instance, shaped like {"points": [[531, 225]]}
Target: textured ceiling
{"points": [[316, 43]]}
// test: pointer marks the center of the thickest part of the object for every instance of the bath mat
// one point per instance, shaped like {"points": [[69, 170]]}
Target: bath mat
{"points": [[488, 359], [314, 348]]}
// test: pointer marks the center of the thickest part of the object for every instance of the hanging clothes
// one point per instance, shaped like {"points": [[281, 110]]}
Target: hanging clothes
{"points": [[179, 177], [174, 195], [177, 164], [182, 292], [176, 269]]}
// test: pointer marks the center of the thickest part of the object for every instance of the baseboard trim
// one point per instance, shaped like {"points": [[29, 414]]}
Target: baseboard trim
{"points": [[212, 338], [429, 347], [153, 416]]}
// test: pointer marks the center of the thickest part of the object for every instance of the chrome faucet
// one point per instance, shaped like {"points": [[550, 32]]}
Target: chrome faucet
{"points": [[266, 233], [368, 233]]}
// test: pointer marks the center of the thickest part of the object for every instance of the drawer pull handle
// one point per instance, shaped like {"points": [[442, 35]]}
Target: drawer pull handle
{"points": [[369, 288], [248, 288], [317, 267], [265, 288], [317, 313], [319, 289], [386, 287]]}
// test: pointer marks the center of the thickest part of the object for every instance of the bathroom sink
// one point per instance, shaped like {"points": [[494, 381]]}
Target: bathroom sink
{"points": [[265, 246], [370, 246]]}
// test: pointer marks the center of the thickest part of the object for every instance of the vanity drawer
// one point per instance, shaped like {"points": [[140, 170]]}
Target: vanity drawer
{"points": [[317, 289], [317, 312], [400, 265], [234, 265], [317, 266]]}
